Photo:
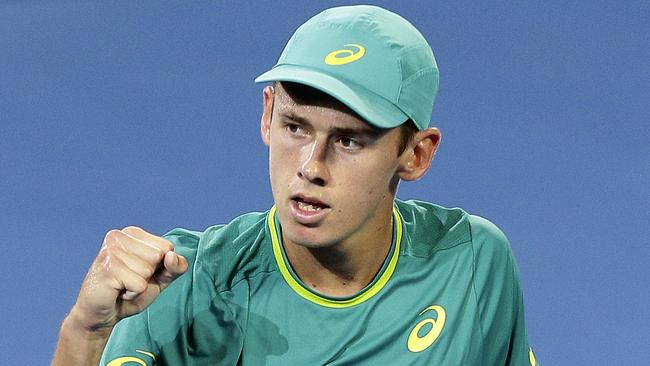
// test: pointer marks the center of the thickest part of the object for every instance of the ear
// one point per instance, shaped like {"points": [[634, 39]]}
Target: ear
{"points": [[416, 158], [268, 95]]}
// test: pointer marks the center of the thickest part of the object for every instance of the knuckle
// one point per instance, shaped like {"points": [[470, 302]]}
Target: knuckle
{"points": [[140, 285], [167, 246], [159, 254], [148, 271], [131, 229], [111, 236], [109, 263]]}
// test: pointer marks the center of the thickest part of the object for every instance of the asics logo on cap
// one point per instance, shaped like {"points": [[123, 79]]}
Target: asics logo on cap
{"points": [[345, 56]]}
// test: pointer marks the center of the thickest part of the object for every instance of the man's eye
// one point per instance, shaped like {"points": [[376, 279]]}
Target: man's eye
{"points": [[348, 143], [293, 128]]}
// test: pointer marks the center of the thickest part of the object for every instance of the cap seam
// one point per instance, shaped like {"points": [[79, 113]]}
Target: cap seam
{"points": [[418, 74], [401, 85]]}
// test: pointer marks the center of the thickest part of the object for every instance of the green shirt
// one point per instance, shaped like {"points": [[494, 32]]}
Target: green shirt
{"points": [[448, 293]]}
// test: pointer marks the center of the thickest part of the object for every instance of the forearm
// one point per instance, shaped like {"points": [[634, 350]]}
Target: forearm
{"points": [[78, 345]]}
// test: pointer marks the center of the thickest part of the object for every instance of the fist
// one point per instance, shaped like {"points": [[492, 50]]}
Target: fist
{"points": [[132, 268]]}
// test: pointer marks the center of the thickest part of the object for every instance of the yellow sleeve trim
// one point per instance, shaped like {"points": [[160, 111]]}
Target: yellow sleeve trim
{"points": [[331, 303], [531, 356]]}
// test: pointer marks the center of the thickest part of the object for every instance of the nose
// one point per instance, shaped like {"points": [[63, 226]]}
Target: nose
{"points": [[314, 167]]}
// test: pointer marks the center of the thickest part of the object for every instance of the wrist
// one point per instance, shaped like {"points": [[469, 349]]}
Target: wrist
{"points": [[79, 344], [76, 323]]}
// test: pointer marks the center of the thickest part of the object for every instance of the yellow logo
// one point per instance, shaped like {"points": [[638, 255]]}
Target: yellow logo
{"points": [[345, 56], [124, 360], [531, 357], [418, 344]]}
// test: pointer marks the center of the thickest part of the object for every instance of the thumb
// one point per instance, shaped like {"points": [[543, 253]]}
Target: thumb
{"points": [[173, 266]]}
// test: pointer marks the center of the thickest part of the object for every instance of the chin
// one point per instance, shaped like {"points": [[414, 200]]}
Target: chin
{"points": [[309, 238]]}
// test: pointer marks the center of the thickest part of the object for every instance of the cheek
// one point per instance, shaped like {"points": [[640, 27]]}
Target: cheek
{"points": [[278, 155], [368, 179], [281, 166]]}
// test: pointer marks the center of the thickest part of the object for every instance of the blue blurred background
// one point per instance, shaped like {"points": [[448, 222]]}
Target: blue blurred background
{"points": [[145, 113]]}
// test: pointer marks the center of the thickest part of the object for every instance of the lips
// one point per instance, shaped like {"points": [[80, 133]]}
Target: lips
{"points": [[308, 210]]}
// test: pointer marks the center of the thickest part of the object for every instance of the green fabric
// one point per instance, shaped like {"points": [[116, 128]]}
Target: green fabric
{"points": [[234, 307], [372, 60]]}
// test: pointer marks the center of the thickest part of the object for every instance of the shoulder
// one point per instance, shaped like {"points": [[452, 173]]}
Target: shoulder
{"points": [[219, 237], [495, 268], [430, 227], [222, 251], [487, 237]]}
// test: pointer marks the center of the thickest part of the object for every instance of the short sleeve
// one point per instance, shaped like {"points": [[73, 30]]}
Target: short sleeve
{"points": [[499, 297], [130, 343]]}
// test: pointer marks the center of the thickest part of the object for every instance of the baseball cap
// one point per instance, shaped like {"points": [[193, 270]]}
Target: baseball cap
{"points": [[370, 59]]}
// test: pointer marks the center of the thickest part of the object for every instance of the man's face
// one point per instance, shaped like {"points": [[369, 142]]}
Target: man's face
{"points": [[331, 173]]}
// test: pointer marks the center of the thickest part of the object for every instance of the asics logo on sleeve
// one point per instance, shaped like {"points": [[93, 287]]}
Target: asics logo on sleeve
{"points": [[128, 359], [418, 342], [345, 56]]}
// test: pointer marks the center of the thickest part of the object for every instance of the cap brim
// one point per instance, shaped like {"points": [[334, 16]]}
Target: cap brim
{"points": [[375, 109]]}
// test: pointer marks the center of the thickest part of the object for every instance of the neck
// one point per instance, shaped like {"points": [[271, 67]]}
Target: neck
{"points": [[345, 268]]}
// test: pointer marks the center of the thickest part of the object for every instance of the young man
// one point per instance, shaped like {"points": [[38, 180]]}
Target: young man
{"points": [[338, 271]]}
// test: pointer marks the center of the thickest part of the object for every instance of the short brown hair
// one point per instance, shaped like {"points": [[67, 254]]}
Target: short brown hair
{"points": [[407, 131]]}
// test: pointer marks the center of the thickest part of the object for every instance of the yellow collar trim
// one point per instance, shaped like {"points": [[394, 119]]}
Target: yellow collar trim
{"points": [[328, 302]]}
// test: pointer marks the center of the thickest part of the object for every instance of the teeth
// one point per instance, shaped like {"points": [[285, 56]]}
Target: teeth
{"points": [[307, 207]]}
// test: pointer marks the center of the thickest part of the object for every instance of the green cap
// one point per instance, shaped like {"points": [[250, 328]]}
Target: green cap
{"points": [[372, 60]]}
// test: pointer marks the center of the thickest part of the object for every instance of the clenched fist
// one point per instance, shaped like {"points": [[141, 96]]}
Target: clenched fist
{"points": [[131, 269]]}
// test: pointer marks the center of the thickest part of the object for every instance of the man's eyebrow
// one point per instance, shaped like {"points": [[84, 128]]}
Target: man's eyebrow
{"points": [[362, 131], [294, 117], [358, 131]]}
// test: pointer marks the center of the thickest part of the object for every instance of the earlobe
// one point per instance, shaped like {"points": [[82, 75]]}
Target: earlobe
{"points": [[417, 158]]}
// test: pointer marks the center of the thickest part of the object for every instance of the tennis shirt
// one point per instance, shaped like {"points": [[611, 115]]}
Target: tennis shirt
{"points": [[448, 293]]}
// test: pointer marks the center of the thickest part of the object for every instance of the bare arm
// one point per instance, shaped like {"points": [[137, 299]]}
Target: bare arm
{"points": [[79, 346], [130, 271]]}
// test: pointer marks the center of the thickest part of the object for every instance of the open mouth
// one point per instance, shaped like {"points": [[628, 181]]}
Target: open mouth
{"points": [[308, 206], [308, 209], [309, 203]]}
